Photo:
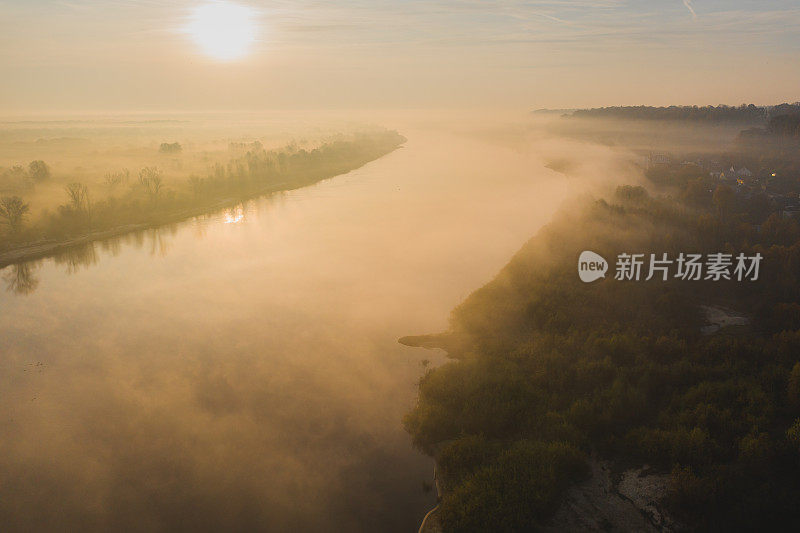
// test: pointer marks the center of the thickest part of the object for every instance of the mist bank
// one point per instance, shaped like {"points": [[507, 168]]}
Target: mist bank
{"points": [[242, 374], [147, 200]]}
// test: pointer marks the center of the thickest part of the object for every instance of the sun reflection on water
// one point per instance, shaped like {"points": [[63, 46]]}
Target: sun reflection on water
{"points": [[235, 215]]}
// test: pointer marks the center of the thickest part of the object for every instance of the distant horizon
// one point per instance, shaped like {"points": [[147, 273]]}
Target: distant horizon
{"points": [[6, 116], [162, 55]]}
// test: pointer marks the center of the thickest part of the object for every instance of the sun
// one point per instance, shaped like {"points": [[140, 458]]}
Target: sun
{"points": [[223, 30]]}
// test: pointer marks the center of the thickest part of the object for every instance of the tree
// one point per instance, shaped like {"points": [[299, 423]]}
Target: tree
{"points": [[148, 173], [78, 196], [723, 200], [38, 170], [170, 148], [154, 187], [695, 193], [13, 211], [112, 179], [793, 387], [780, 230], [785, 125], [150, 179], [17, 171]]}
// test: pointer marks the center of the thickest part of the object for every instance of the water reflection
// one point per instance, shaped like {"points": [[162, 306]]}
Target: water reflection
{"points": [[235, 215], [77, 257], [20, 278], [160, 239]]}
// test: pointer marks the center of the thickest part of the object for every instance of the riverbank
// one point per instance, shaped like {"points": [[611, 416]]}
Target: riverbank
{"points": [[556, 372], [46, 247]]}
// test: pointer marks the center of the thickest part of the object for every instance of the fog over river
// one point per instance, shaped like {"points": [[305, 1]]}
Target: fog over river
{"points": [[241, 371]]}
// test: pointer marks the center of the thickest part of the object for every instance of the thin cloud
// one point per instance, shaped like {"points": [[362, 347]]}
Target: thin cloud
{"points": [[690, 7]]}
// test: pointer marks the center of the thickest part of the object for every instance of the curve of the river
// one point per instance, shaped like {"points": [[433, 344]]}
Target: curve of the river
{"points": [[241, 371]]}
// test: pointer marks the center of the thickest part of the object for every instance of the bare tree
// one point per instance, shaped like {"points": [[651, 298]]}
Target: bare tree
{"points": [[150, 179], [78, 196], [112, 179], [154, 186], [13, 211], [148, 173]]}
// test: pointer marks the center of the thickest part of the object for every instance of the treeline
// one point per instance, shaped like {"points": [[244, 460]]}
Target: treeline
{"points": [[750, 114], [551, 370], [24, 177], [777, 145], [146, 198], [785, 126]]}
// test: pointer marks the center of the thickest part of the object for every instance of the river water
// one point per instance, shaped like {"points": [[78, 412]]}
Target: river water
{"points": [[241, 371]]}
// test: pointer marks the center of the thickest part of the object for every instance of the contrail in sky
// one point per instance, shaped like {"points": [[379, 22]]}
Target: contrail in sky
{"points": [[690, 7]]}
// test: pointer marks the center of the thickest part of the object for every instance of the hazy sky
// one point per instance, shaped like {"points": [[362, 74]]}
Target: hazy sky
{"points": [[77, 55]]}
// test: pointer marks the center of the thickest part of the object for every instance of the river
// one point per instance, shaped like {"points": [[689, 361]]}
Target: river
{"points": [[241, 371]]}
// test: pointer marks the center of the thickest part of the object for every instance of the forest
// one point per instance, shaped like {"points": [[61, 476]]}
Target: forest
{"points": [[785, 127], [547, 372]]}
